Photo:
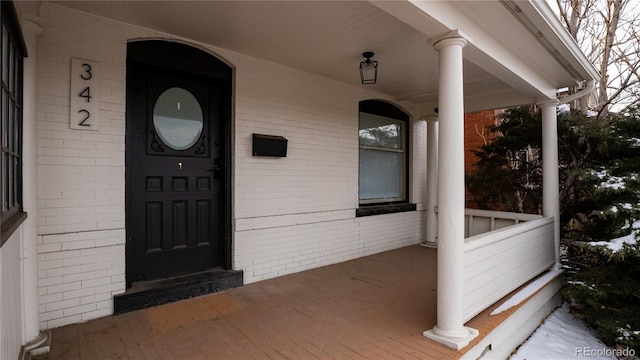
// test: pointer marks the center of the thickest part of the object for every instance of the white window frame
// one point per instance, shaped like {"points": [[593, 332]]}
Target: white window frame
{"points": [[402, 149]]}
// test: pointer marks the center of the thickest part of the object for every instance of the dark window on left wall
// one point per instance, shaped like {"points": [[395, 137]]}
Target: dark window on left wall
{"points": [[12, 51]]}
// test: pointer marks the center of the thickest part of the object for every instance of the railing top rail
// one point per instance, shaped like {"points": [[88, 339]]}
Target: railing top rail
{"points": [[480, 240], [502, 214]]}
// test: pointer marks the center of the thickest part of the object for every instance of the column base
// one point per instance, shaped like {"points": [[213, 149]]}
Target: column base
{"points": [[429, 244], [457, 341], [38, 346]]}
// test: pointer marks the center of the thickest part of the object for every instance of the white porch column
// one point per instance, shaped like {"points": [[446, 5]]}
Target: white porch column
{"points": [[432, 181], [450, 329], [550, 172], [29, 259]]}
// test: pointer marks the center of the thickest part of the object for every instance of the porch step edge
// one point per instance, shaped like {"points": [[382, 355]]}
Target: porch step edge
{"points": [[158, 292]]}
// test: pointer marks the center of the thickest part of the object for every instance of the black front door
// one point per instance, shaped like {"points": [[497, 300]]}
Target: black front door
{"points": [[176, 162]]}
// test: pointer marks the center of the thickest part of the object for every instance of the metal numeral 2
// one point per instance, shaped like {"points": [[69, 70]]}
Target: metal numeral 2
{"points": [[86, 117]]}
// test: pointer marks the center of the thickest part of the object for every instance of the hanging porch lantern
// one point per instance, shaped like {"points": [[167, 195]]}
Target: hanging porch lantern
{"points": [[368, 69]]}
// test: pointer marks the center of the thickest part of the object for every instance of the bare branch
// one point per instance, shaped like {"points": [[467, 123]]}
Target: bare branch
{"points": [[608, 31]]}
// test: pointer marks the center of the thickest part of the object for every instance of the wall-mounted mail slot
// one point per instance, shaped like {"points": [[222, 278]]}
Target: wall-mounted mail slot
{"points": [[269, 145]]}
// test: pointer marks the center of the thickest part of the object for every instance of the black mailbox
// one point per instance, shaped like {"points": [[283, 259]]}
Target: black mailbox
{"points": [[269, 145]]}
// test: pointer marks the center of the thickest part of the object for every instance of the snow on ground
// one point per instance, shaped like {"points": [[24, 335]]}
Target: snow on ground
{"points": [[561, 337]]}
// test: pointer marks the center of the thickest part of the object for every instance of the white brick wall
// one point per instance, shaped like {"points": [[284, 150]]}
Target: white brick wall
{"points": [[298, 212], [79, 272], [289, 214], [80, 173], [279, 250], [319, 118], [81, 185]]}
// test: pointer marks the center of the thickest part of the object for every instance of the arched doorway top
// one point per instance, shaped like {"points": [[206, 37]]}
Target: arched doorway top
{"points": [[179, 56]]}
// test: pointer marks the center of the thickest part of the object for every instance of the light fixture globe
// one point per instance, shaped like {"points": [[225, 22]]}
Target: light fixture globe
{"points": [[368, 69]]}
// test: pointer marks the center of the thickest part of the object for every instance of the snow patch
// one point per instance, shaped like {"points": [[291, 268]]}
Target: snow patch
{"points": [[609, 181], [616, 245], [561, 336], [626, 334], [528, 290]]}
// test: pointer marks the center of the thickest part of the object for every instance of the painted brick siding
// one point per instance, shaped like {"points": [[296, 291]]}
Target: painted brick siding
{"points": [[476, 134], [289, 214], [297, 212], [319, 119], [80, 173], [79, 272]]}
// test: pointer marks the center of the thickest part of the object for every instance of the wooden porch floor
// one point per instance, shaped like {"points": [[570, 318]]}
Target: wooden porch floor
{"points": [[371, 308]]}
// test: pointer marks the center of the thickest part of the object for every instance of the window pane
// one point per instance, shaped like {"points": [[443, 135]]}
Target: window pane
{"points": [[5, 55], [5, 184], [177, 118], [12, 70], [10, 125], [17, 134], [16, 73], [5, 119], [380, 131], [381, 174], [12, 182]]}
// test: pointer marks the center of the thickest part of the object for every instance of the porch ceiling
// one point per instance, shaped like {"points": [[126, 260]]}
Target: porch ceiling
{"points": [[328, 38]]}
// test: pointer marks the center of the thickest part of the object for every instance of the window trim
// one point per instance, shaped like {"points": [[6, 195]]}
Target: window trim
{"points": [[11, 218], [389, 205]]}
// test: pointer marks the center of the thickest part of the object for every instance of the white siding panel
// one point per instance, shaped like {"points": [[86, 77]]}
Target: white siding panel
{"points": [[11, 330], [497, 263]]}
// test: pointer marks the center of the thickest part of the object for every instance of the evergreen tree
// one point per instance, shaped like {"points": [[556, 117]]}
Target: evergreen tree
{"points": [[599, 161], [599, 164], [508, 173]]}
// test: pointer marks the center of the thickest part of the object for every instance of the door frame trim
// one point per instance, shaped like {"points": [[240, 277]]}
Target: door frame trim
{"points": [[216, 67]]}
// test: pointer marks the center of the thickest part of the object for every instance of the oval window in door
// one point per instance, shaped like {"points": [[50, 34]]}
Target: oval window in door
{"points": [[177, 118]]}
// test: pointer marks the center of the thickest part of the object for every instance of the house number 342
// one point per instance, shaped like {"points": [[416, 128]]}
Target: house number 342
{"points": [[84, 95]]}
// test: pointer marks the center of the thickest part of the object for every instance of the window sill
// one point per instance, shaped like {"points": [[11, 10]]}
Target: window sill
{"points": [[11, 226], [380, 209]]}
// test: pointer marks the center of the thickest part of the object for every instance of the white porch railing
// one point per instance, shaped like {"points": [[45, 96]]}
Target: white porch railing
{"points": [[482, 221], [498, 262]]}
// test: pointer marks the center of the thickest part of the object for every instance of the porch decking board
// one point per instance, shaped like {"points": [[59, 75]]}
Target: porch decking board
{"points": [[371, 308]]}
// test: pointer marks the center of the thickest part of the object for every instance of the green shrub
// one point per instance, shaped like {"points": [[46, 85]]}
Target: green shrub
{"points": [[603, 289]]}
